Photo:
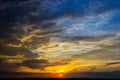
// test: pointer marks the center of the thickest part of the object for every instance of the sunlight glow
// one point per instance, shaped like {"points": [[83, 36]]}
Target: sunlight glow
{"points": [[60, 71]]}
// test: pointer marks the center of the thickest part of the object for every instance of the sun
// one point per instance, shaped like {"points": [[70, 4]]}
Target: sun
{"points": [[60, 71], [58, 74]]}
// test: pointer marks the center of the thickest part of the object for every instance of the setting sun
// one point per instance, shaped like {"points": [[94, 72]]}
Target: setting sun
{"points": [[59, 74], [60, 71]]}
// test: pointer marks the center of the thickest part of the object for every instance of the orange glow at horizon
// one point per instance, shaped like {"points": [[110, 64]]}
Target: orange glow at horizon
{"points": [[57, 75], [60, 69], [60, 75]]}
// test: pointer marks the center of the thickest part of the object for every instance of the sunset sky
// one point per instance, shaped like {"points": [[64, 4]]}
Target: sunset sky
{"points": [[60, 38]]}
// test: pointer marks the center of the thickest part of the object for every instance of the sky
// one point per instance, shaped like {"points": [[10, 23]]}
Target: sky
{"points": [[60, 38]]}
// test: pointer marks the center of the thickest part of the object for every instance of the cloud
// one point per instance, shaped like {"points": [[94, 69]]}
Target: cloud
{"points": [[77, 26], [104, 53], [7, 4], [5, 65], [112, 63], [39, 64], [103, 60], [8, 74], [111, 74]]}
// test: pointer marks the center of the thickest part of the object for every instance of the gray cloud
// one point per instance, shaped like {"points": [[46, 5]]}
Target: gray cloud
{"points": [[34, 64], [112, 63], [110, 52], [111, 74], [6, 66], [12, 67]]}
